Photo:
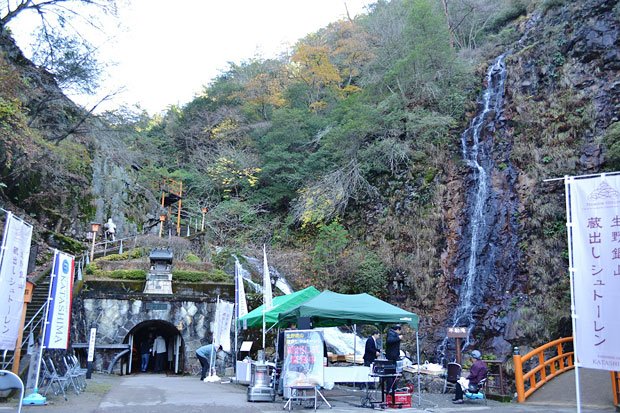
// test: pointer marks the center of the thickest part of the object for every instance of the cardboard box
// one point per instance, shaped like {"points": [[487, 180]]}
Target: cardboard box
{"points": [[401, 400]]}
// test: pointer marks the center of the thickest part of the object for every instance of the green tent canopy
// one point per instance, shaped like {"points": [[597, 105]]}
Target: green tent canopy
{"points": [[330, 309], [281, 304]]}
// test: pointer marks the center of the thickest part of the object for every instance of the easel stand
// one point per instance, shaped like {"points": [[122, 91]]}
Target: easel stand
{"points": [[300, 393]]}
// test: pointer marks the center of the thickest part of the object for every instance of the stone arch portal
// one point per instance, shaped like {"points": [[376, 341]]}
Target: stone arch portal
{"points": [[147, 331]]}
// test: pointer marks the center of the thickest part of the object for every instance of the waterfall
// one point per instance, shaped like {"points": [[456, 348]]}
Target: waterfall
{"points": [[477, 269], [280, 281]]}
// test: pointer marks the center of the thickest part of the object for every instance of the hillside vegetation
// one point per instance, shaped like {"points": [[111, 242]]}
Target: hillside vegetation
{"points": [[344, 154]]}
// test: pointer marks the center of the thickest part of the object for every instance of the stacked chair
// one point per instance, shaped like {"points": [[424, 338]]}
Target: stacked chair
{"points": [[59, 379]]}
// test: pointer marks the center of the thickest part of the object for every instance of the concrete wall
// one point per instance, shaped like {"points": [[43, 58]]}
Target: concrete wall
{"points": [[115, 318]]}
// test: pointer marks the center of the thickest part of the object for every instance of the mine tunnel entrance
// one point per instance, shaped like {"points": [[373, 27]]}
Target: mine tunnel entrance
{"points": [[142, 338]]}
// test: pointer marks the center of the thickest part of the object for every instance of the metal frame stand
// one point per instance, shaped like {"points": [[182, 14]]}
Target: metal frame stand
{"points": [[299, 393]]}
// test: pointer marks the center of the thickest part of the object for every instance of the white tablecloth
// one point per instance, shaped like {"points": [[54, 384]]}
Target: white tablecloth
{"points": [[349, 374]]}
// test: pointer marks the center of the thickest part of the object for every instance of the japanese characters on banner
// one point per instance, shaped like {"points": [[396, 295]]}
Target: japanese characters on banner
{"points": [[267, 295], [303, 360], [59, 310], [13, 269], [242, 304], [594, 234], [222, 324]]}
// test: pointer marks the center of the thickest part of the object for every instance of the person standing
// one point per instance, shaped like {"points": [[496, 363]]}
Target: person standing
{"points": [[371, 351], [206, 355], [392, 352], [477, 372], [159, 351], [392, 343], [145, 353]]}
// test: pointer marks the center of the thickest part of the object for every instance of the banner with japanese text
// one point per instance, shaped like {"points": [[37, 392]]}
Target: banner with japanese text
{"points": [[59, 310], [242, 303], [594, 237], [303, 359], [222, 324], [13, 268]]}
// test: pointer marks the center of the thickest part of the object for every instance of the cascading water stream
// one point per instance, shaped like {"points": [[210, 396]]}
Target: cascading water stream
{"points": [[479, 160]]}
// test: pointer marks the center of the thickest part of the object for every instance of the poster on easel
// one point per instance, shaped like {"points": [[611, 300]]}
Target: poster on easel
{"points": [[303, 359]]}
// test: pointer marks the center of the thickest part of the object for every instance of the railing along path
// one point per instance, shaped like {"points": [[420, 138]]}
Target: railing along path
{"points": [[559, 360]]}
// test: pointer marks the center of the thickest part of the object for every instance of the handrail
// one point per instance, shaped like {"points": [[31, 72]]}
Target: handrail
{"points": [[545, 369]]}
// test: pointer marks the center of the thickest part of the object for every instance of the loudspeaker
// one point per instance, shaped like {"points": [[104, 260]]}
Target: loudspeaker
{"points": [[304, 323]]}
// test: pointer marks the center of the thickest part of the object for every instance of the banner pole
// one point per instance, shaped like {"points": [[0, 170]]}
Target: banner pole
{"points": [[35, 398], [571, 272]]}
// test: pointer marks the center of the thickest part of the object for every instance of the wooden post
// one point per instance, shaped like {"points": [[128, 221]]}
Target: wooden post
{"points": [[179, 209], [458, 333], [518, 366], [20, 334]]}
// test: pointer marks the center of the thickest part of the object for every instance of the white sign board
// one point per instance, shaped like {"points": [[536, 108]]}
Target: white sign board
{"points": [[594, 237], [91, 345], [13, 268]]}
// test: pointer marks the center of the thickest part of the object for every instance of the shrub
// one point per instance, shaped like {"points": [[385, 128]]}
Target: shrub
{"points": [[125, 274], [215, 275], [192, 258]]}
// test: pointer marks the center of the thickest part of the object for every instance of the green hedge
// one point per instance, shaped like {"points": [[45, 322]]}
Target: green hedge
{"points": [[200, 276], [124, 274]]}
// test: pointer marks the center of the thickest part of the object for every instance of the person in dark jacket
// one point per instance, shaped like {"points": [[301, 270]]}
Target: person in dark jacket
{"points": [[371, 351], [392, 343], [392, 352], [477, 372]]}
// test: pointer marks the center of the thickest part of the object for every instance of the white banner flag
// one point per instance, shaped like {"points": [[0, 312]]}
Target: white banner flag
{"points": [[222, 324], [594, 237], [242, 303], [59, 310], [13, 268], [267, 296]]}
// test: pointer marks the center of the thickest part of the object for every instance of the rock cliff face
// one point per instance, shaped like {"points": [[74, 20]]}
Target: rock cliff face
{"points": [[561, 95]]}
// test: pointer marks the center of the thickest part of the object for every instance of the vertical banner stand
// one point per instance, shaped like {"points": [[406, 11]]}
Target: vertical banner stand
{"points": [[34, 398], [216, 332], [571, 271]]}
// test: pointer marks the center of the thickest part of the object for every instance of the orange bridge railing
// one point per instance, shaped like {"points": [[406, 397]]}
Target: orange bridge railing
{"points": [[543, 364], [615, 383]]}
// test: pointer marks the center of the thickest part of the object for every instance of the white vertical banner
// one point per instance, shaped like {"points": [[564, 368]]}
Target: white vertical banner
{"points": [[13, 268], [267, 296], [594, 243], [222, 324], [59, 310], [242, 303]]}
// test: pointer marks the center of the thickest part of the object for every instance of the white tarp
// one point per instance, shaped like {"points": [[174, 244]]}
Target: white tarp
{"points": [[13, 268], [59, 310], [594, 241]]}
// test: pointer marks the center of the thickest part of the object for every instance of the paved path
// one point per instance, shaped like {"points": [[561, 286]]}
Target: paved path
{"points": [[157, 393]]}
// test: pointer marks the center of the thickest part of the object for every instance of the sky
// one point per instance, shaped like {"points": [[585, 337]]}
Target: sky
{"points": [[167, 51]]}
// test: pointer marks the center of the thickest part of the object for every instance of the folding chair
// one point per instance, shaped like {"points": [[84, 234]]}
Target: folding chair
{"points": [[74, 376], [453, 373], [54, 381], [75, 365], [11, 381], [477, 391]]}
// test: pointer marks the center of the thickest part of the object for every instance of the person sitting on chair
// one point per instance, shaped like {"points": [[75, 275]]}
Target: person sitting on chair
{"points": [[477, 372]]}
